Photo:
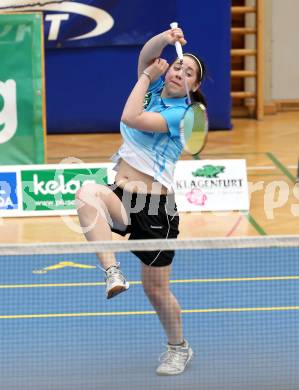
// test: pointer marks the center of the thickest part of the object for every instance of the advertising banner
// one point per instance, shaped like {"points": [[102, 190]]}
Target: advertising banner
{"points": [[51, 189], [106, 38], [211, 185], [22, 119], [208, 185], [8, 191], [97, 23], [47, 189]]}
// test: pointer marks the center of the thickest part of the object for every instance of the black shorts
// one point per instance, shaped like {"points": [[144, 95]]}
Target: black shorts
{"points": [[156, 216]]}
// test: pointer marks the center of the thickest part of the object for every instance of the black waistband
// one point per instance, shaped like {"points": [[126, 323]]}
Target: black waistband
{"points": [[161, 198]]}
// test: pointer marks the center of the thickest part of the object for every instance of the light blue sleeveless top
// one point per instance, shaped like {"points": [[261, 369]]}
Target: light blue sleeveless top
{"points": [[155, 153]]}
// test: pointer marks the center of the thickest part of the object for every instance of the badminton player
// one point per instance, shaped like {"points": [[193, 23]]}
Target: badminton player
{"points": [[141, 202]]}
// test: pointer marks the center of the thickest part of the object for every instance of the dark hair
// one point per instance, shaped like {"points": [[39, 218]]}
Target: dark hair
{"points": [[197, 96]]}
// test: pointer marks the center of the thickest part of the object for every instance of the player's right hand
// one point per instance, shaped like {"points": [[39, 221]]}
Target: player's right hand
{"points": [[174, 35]]}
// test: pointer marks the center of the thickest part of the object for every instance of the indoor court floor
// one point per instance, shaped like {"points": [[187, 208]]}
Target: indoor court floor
{"points": [[240, 306], [58, 332]]}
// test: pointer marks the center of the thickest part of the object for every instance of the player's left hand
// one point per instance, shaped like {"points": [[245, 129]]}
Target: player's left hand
{"points": [[157, 68]]}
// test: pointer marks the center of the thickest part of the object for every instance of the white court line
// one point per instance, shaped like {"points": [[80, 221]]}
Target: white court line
{"points": [[268, 167]]}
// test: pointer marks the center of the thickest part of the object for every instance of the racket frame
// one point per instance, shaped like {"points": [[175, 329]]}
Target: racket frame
{"points": [[204, 131], [191, 104]]}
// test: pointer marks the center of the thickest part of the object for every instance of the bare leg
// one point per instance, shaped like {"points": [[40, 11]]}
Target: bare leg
{"points": [[156, 286], [99, 208]]}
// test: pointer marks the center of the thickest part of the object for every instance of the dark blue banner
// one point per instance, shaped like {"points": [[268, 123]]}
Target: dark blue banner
{"points": [[87, 89], [90, 23], [87, 85]]}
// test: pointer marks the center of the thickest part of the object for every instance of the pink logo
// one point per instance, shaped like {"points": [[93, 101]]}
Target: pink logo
{"points": [[197, 197]]}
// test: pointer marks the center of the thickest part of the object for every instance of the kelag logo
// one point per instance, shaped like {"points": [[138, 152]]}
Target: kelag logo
{"points": [[8, 191], [53, 189]]}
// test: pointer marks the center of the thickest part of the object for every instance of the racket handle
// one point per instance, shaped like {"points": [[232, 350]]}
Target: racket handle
{"points": [[178, 46]]}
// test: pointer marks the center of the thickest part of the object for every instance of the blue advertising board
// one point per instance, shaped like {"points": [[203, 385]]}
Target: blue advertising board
{"points": [[8, 191], [88, 23]]}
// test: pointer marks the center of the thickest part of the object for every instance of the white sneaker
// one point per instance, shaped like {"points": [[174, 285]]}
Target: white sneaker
{"points": [[115, 281], [175, 359]]}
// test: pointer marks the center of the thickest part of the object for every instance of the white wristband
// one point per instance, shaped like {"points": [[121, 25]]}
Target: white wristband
{"points": [[147, 75]]}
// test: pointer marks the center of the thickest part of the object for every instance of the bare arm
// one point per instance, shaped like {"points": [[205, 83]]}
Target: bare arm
{"points": [[133, 114], [154, 47]]}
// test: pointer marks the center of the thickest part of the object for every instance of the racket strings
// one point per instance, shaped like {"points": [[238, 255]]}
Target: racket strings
{"points": [[194, 128]]}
